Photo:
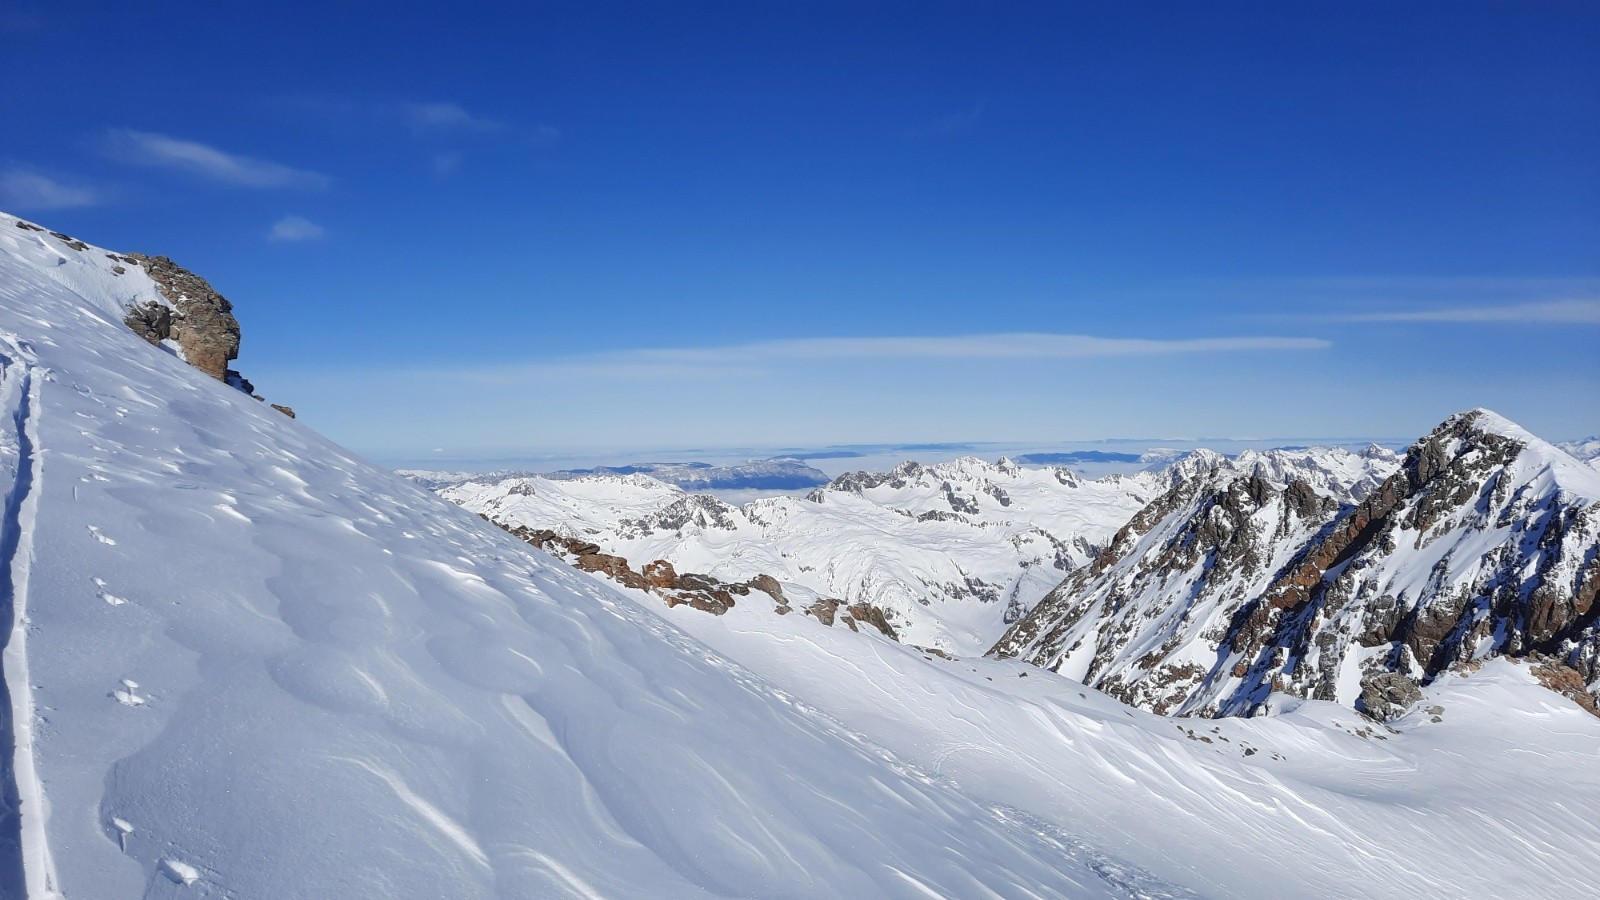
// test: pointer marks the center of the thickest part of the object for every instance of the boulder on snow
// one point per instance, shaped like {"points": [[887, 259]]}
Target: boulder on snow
{"points": [[1387, 695]]}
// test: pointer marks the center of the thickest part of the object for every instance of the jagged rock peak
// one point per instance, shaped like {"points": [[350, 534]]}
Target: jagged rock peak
{"points": [[1220, 595]]}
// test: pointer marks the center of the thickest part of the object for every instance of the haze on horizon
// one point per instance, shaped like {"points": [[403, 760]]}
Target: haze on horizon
{"points": [[630, 225]]}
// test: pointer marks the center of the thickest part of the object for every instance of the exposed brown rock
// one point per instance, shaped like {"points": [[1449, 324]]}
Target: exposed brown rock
{"points": [[769, 586], [286, 410], [874, 616], [1567, 682], [70, 241], [699, 591], [823, 610], [203, 323]]}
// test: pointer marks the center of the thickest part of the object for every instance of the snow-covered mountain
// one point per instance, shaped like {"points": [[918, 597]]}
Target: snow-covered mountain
{"points": [[951, 553], [1584, 449], [1243, 583], [241, 662]]}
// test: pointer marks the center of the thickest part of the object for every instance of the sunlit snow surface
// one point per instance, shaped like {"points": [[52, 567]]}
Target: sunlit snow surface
{"points": [[350, 688], [247, 664]]}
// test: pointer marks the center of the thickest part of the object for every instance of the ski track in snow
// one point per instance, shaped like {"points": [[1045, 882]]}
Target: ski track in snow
{"points": [[31, 871]]}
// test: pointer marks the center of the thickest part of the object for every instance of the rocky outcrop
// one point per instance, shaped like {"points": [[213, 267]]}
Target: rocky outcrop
{"points": [[827, 610], [1387, 695], [1231, 589], [190, 314], [200, 320]]}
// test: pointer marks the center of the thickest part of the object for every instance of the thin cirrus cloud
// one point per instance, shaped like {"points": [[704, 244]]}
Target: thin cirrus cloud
{"points": [[145, 148], [291, 229], [446, 117], [752, 358], [1024, 345], [1549, 312], [24, 189]]}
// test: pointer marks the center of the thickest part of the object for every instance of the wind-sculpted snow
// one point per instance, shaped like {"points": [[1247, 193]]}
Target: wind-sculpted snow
{"points": [[1485, 789], [248, 664]]}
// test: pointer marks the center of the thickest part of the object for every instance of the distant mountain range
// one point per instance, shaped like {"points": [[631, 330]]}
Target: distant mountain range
{"points": [[779, 474], [1205, 584]]}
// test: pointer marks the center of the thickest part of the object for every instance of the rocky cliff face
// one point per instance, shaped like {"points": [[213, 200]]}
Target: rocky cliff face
{"points": [[1231, 590], [198, 318]]}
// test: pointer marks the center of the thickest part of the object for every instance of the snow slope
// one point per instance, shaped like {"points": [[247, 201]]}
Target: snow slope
{"points": [[1486, 789], [245, 663]]}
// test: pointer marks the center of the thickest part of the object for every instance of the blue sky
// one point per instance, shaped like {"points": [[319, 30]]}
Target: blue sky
{"points": [[560, 226]]}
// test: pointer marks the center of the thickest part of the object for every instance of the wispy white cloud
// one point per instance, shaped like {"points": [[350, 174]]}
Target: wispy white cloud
{"points": [[760, 358], [294, 228], [446, 163], [1025, 345], [446, 117], [24, 189], [147, 148], [1547, 312], [543, 135]]}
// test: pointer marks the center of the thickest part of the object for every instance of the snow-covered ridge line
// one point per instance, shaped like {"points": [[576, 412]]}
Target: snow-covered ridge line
{"points": [[1229, 593], [168, 305]]}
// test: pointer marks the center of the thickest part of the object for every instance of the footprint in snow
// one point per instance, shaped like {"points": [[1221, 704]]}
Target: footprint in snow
{"points": [[124, 828], [179, 872], [101, 537], [125, 694], [106, 595]]}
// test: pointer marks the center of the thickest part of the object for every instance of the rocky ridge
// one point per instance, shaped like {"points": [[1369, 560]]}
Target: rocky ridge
{"points": [[1232, 591], [190, 317], [698, 591]]}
